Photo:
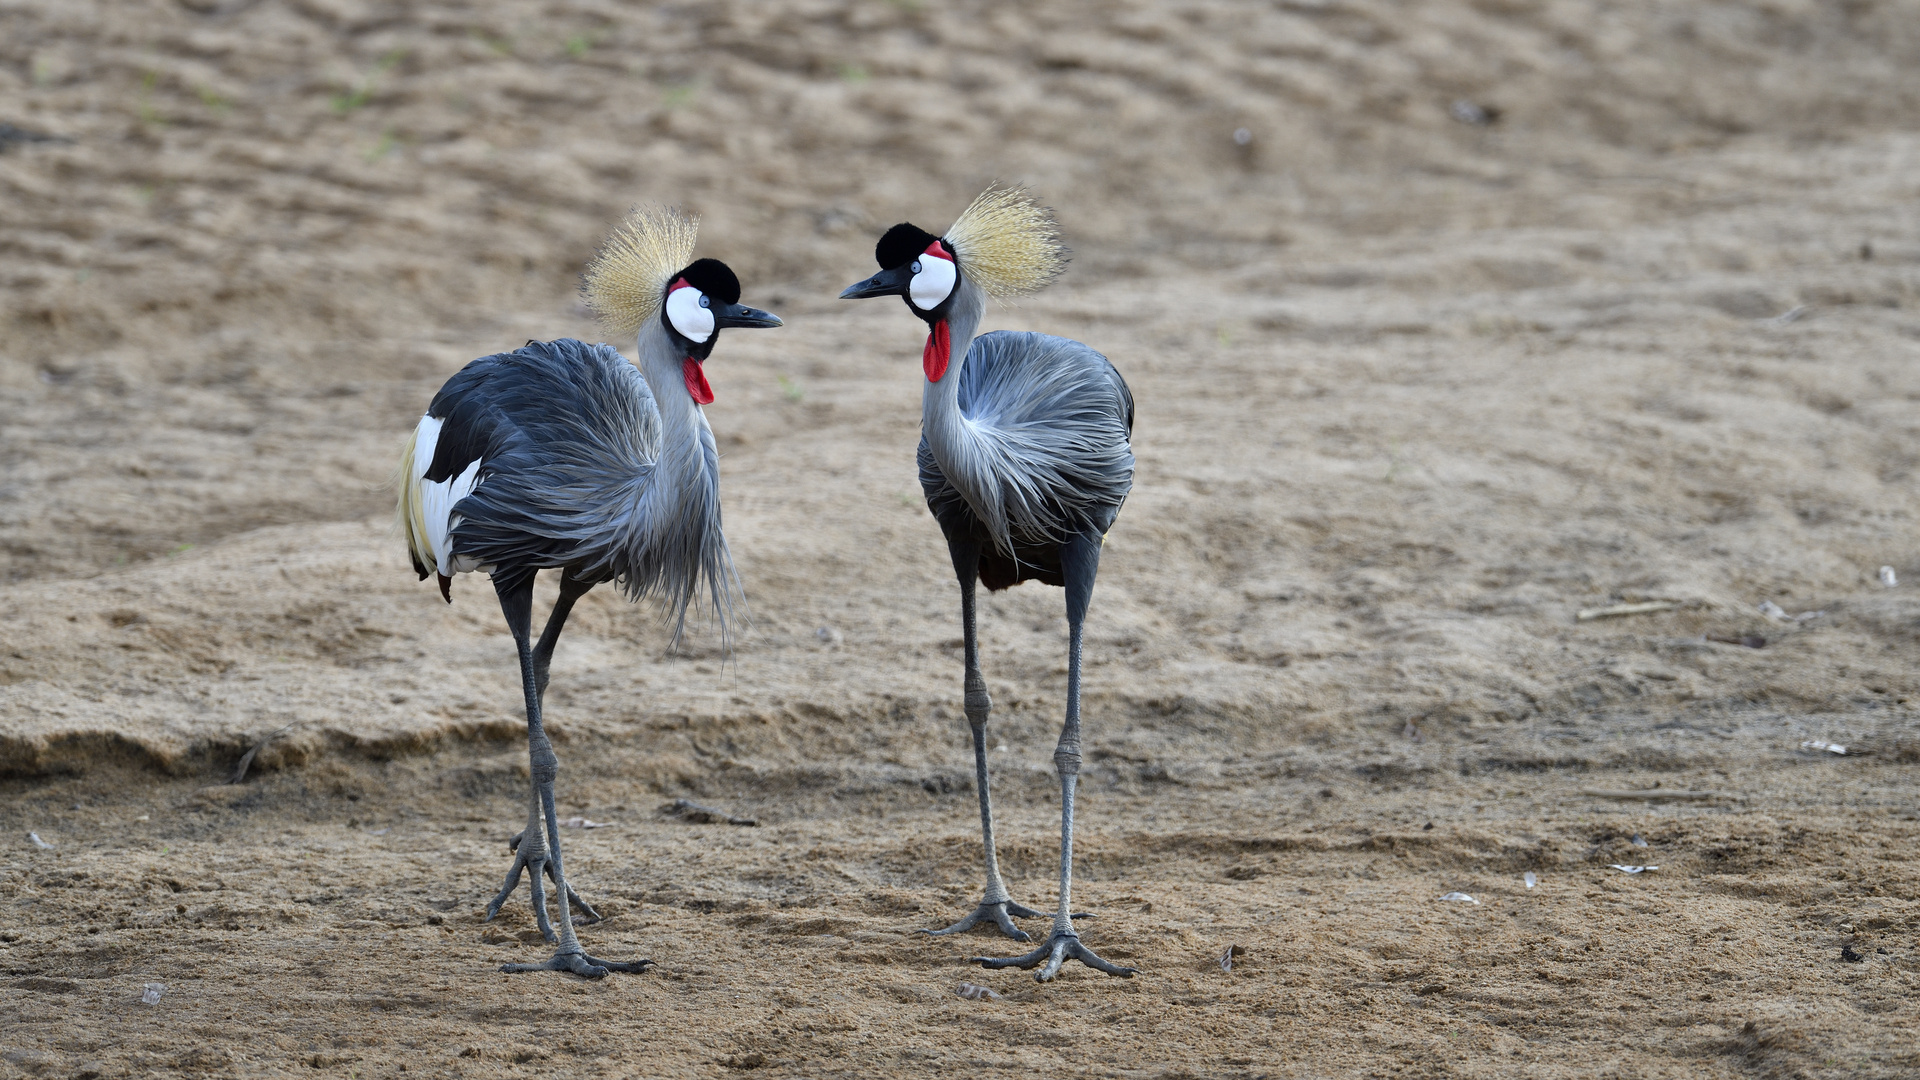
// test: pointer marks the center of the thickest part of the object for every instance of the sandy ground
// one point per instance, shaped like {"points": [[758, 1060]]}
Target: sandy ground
{"points": [[1413, 392]]}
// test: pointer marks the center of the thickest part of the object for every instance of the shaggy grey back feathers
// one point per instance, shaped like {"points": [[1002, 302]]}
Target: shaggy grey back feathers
{"points": [[569, 438], [1045, 452]]}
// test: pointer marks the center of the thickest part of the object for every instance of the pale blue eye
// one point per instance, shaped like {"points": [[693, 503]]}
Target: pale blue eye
{"points": [[916, 267], [704, 302]]}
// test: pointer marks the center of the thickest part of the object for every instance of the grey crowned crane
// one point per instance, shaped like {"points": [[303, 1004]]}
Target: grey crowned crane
{"points": [[1025, 459], [563, 456]]}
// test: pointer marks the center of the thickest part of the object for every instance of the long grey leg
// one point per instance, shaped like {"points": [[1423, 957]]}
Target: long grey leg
{"points": [[1080, 561], [996, 906], [539, 849], [571, 590]]}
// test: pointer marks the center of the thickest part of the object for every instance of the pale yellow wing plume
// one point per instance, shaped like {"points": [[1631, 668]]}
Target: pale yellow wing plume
{"points": [[627, 280], [411, 514], [1007, 243]]}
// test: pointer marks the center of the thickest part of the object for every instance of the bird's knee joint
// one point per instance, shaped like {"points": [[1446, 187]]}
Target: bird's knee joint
{"points": [[1066, 760], [978, 705]]}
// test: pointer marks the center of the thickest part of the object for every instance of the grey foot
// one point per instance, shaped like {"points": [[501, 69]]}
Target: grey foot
{"points": [[581, 964], [1001, 915], [1060, 948], [539, 863]]}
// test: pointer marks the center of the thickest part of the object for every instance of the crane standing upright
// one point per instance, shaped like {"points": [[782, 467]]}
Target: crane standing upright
{"points": [[1025, 457], [561, 455]]}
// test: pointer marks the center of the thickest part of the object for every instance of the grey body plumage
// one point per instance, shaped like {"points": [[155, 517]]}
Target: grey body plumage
{"points": [[579, 470], [1027, 447]]}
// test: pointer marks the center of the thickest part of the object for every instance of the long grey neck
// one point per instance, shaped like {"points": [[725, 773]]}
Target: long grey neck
{"points": [[940, 401], [685, 437], [671, 545], [953, 438]]}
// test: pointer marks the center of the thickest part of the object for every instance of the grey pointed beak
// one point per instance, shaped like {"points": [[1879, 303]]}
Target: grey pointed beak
{"points": [[894, 282], [750, 318]]}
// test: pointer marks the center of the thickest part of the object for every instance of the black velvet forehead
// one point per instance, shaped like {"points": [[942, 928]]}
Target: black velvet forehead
{"points": [[902, 244], [711, 276]]}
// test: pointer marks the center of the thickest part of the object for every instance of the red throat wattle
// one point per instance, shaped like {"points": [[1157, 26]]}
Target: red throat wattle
{"points": [[696, 381], [938, 351]]}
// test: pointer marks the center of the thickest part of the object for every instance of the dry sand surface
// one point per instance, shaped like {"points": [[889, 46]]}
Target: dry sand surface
{"points": [[1414, 390]]}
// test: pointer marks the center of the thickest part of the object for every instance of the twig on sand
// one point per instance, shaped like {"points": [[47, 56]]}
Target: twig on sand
{"points": [[688, 810], [1616, 610], [246, 760], [1658, 794]]}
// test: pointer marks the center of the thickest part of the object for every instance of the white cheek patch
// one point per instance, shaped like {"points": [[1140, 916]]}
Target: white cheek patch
{"points": [[695, 323], [933, 283]]}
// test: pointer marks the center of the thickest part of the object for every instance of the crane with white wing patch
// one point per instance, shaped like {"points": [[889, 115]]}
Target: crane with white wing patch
{"points": [[562, 455], [1025, 458]]}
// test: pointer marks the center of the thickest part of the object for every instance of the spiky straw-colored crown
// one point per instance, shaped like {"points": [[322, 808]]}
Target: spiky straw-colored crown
{"points": [[1007, 243], [627, 280]]}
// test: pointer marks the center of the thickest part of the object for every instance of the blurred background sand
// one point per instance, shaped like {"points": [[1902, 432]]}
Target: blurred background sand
{"points": [[1446, 321]]}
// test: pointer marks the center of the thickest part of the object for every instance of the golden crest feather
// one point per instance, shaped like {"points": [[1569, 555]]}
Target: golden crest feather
{"points": [[1007, 243], [627, 281]]}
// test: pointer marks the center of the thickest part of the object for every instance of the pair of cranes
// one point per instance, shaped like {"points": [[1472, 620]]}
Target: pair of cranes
{"points": [[562, 455]]}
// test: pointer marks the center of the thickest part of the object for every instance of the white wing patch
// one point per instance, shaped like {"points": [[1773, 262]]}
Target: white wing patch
{"points": [[439, 500], [430, 516]]}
